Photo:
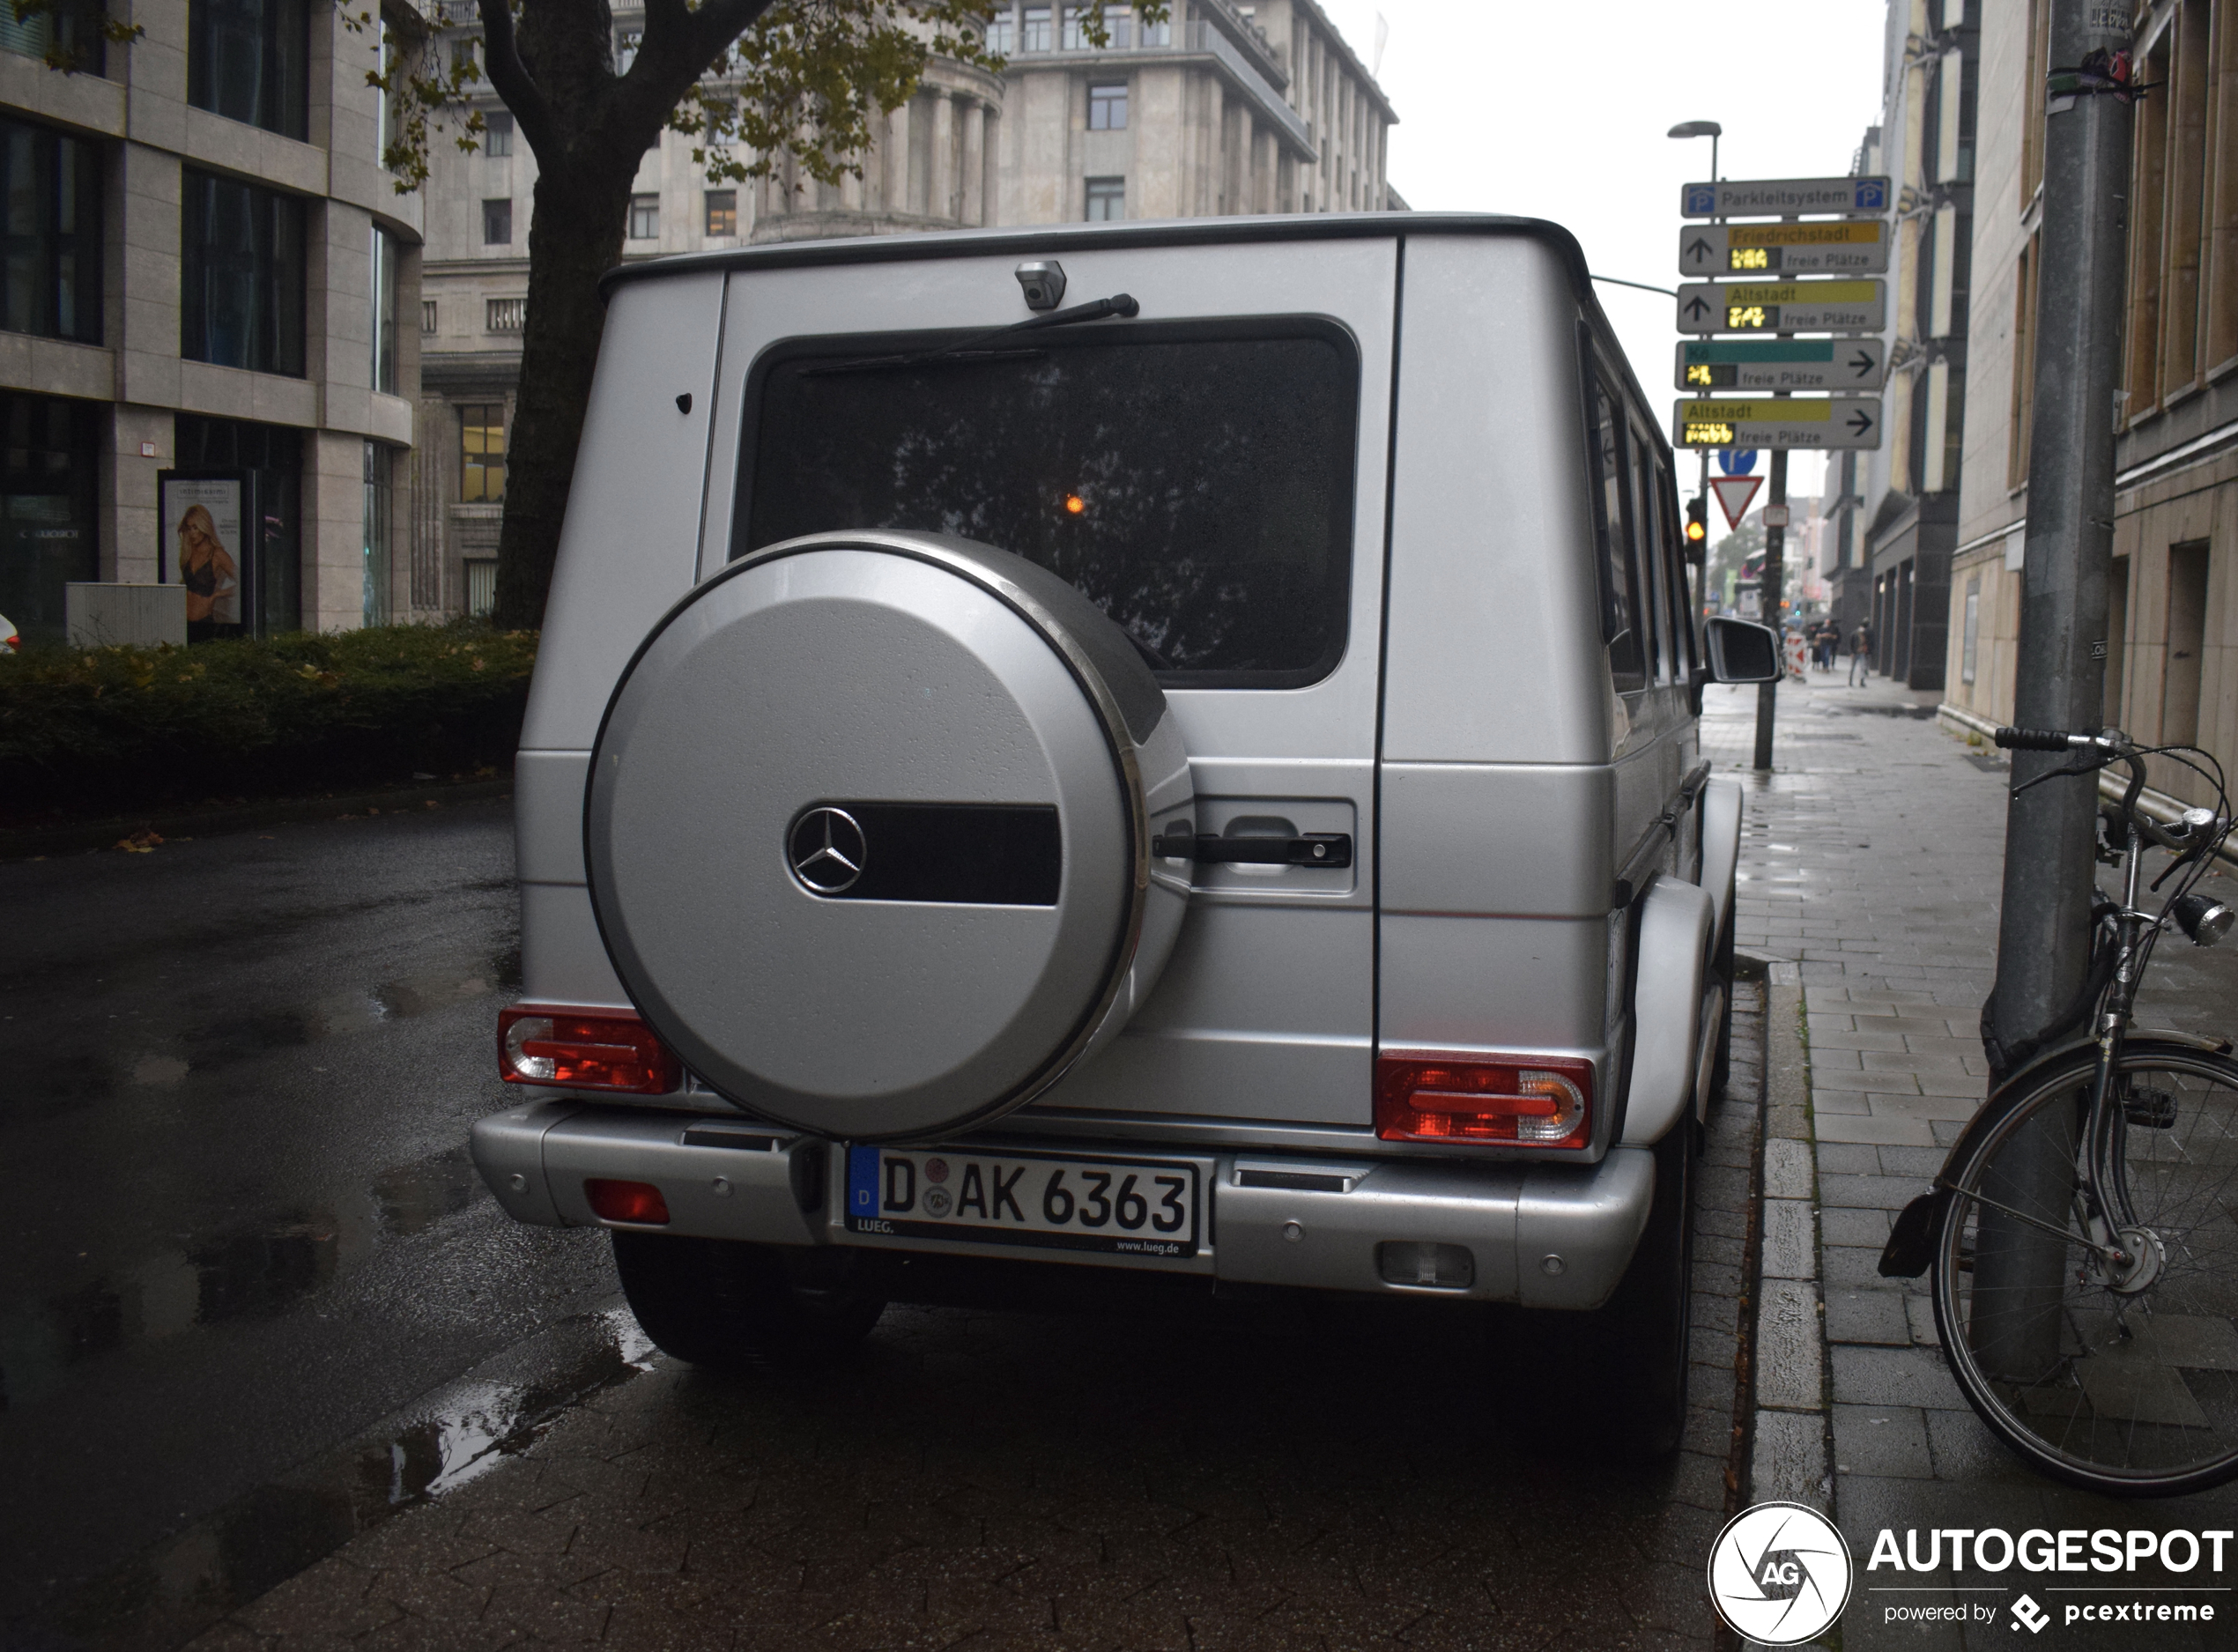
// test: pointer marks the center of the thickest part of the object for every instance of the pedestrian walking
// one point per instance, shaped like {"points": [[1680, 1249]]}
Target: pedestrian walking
{"points": [[1861, 655]]}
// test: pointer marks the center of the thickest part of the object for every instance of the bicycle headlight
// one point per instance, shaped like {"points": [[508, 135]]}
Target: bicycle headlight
{"points": [[2203, 918]]}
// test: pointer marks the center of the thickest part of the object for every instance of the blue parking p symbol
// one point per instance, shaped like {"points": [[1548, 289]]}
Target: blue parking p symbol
{"points": [[1701, 197], [1872, 196]]}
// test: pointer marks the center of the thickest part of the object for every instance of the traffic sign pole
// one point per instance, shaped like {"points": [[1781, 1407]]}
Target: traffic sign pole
{"points": [[1775, 578]]}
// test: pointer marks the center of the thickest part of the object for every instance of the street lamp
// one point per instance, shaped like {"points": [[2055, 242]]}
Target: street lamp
{"points": [[1709, 129]]}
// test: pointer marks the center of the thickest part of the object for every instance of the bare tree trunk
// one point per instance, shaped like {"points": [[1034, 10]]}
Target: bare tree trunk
{"points": [[575, 238]]}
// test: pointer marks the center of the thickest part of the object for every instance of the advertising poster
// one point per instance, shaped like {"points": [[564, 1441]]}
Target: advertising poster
{"points": [[204, 548]]}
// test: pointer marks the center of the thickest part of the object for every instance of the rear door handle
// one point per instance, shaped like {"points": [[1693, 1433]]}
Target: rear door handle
{"points": [[1315, 848]]}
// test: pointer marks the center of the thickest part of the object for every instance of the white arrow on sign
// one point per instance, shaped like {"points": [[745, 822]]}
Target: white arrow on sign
{"points": [[1733, 494]]}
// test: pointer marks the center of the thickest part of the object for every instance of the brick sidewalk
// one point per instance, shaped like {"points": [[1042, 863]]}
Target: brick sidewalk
{"points": [[1871, 866]]}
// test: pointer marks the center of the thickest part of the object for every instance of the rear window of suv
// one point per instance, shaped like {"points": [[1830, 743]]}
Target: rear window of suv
{"points": [[1195, 481]]}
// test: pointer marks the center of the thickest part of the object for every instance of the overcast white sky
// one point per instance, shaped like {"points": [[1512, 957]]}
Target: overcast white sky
{"points": [[1560, 113]]}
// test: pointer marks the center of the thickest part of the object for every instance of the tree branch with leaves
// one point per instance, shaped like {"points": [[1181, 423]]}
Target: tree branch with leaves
{"points": [[750, 82]]}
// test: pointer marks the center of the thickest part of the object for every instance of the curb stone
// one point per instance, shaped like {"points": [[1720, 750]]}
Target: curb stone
{"points": [[1792, 1460]]}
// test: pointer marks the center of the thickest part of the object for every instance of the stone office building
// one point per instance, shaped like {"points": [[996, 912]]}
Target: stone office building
{"points": [[206, 265], [2172, 626], [1224, 108], [1906, 513]]}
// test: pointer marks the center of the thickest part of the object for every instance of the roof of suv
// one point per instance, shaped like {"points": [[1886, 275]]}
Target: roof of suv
{"points": [[1176, 232], [1044, 239]]}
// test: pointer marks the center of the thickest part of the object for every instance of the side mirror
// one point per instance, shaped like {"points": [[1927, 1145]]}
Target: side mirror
{"points": [[1742, 651]]}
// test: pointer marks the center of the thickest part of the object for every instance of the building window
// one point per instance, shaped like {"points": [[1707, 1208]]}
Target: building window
{"points": [[1970, 643], [497, 223], [51, 211], [1106, 199], [465, 65], [723, 212], [1074, 36], [427, 316], [2020, 427], [1002, 31], [481, 585], [1034, 35], [241, 287], [644, 216], [49, 464], [385, 311], [1108, 108], [68, 30], [626, 44], [377, 506], [250, 60], [1159, 33], [481, 453], [497, 134], [505, 315]]}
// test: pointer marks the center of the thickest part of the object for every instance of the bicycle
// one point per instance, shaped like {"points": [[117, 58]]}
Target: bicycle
{"points": [[2082, 1234]]}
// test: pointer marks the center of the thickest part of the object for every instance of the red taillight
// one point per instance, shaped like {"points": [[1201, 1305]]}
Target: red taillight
{"points": [[1525, 1100], [638, 1201], [584, 1050]]}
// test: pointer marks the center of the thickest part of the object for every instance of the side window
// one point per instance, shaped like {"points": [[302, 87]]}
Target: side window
{"points": [[1620, 625], [1647, 558], [1682, 600]]}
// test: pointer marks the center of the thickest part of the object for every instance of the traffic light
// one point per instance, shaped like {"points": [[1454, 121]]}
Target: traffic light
{"points": [[1697, 522]]}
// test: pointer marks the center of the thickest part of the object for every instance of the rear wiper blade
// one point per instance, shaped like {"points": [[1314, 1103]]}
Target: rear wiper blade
{"points": [[978, 347]]}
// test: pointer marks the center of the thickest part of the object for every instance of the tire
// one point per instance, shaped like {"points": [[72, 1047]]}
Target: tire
{"points": [[2122, 1384], [1625, 1363], [1722, 967], [735, 1307]]}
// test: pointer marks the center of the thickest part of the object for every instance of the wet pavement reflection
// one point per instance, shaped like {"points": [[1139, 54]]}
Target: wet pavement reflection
{"points": [[245, 1226]]}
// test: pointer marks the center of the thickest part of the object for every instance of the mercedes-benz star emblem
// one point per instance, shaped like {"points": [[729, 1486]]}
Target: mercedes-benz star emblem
{"points": [[826, 851]]}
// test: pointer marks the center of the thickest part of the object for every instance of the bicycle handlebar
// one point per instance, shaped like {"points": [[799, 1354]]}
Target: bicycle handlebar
{"points": [[2111, 748], [2040, 740]]}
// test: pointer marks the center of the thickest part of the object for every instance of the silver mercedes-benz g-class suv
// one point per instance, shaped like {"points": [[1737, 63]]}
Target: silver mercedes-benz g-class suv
{"points": [[1160, 747]]}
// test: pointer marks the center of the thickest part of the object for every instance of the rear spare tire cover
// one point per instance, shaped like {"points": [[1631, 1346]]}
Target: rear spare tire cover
{"points": [[869, 828]]}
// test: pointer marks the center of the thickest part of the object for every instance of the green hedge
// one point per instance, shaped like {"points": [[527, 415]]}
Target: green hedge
{"points": [[122, 728]]}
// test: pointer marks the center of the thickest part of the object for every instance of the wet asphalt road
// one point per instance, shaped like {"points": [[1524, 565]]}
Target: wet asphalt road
{"points": [[241, 1229]]}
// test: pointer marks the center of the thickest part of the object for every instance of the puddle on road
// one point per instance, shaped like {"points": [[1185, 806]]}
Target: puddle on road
{"points": [[60, 1081], [455, 1435], [210, 1279]]}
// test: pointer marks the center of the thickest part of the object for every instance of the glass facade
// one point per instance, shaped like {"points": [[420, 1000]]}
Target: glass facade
{"points": [[250, 61], [50, 229], [385, 311], [273, 457], [378, 505], [49, 462], [241, 273]]}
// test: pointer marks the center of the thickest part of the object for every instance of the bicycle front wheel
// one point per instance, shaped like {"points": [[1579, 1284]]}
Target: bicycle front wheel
{"points": [[2102, 1346]]}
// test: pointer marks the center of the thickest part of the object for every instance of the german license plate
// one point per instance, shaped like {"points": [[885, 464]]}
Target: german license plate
{"points": [[1125, 1207]]}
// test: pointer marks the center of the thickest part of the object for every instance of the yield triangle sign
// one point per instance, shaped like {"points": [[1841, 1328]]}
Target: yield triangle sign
{"points": [[1733, 494]]}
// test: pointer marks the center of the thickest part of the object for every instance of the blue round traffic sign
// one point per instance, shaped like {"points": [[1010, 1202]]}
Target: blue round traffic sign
{"points": [[1737, 460]]}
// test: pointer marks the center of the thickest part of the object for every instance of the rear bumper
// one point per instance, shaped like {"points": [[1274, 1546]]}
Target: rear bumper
{"points": [[1541, 1236]]}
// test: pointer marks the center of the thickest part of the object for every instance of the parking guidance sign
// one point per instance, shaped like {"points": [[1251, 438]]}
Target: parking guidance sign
{"points": [[1837, 421], [1782, 307], [1780, 363], [1780, 197], [1847, 247]]}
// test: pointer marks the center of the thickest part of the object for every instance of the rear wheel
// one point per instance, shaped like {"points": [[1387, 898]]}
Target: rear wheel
{"points": [[1722, 969], [1625, 1363], [732, 1306]]}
